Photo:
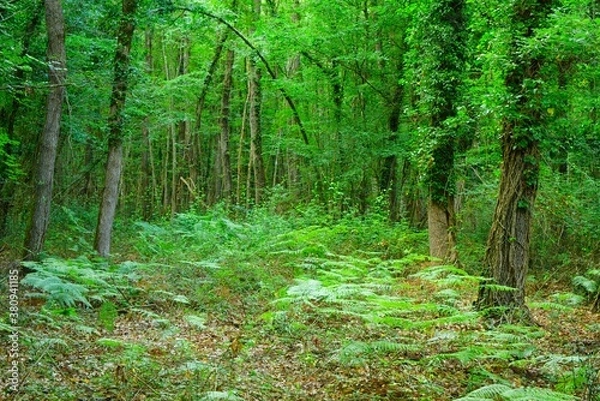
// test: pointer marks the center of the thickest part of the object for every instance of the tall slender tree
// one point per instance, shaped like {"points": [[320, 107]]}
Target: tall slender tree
{"points": [[110, 194], [8, 116], [44, 175], [255, 104], [223, 165], [507, 256], [446, 48]]}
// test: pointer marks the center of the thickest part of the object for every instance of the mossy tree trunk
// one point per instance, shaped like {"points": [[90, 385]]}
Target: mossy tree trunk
{"points": [[446, 45], [507, 256]]}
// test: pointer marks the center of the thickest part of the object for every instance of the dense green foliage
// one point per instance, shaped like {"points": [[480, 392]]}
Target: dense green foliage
{"points": [[315, 263], [286, 307], [362, 77]]}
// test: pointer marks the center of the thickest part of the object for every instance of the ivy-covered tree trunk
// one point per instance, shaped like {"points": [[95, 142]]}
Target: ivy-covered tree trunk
{"points": [[389, 175], [44, 175], [446, 44], [507, 256], [147, 179], [110, 194]]}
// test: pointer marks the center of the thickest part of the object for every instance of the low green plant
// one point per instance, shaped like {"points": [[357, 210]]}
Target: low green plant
{"points": [[358, 352], [589, 284], [67, 283], [501, 392]]}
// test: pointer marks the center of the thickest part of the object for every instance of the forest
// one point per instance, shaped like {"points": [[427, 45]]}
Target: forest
{"points": [[250, 200]]}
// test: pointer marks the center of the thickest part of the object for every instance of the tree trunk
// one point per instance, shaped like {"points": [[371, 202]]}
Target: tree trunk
{"points": [[110, 194], [184, 139], [255, 97], [255, 130], [224, 165], [147, 183], [389, 175], [447, 44], [44, 175], [8, 117], [507, 256], [238, 190]]}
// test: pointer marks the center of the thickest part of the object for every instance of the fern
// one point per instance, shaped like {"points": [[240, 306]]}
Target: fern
{"points": [[220, 396], [199, 322], [503, 392], [487, 393], [567, 298], [590, 284], [446, 275], [69, 283], [357, 352], [58, 290]]}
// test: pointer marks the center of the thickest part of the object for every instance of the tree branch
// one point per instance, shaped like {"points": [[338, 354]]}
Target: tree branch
{"points": [[246, 41]]}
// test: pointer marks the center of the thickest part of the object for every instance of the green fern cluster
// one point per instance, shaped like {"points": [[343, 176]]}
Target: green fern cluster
{"points": [[367, 288], [501, 392], [589, 283], [68, 283], [220, 396], [358, 352]]}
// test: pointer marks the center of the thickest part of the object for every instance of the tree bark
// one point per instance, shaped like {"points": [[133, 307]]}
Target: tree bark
{"points": [[8, 116], [44, 176], [255, 98], [507, 256], [389, 175], [255, 130], [184, 139], [147, 183], [110, 194], [224, 161], [447, 23]]}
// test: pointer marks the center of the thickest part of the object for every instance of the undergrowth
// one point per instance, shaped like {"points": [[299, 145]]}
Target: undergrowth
{"points": [[272, 307]]}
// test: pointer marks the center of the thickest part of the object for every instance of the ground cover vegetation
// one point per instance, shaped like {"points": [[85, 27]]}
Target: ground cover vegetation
{"points": [[300, 200]]}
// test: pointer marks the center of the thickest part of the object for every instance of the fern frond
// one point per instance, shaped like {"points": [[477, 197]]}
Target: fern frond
{"points": [[198, 322], [357, 352], [589, 285], [593, 273], [551, 306], [556, 364], [567, 298], [63, 292], [535, 394], [434, 273], [220, 396], [193, 366], [489, 392]]}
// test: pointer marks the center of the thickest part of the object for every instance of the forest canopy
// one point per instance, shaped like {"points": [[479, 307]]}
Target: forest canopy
{"points": [[470, 125]]}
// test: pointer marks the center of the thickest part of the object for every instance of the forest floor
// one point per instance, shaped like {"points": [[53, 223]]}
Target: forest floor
{"points": [[205, 308]]}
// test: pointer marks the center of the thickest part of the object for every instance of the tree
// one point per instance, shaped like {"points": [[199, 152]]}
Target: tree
{"points": [[8, 116], [506, 259], [110, 194], [445, 46], [255, 104], [44, 175], [223, 165]]}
